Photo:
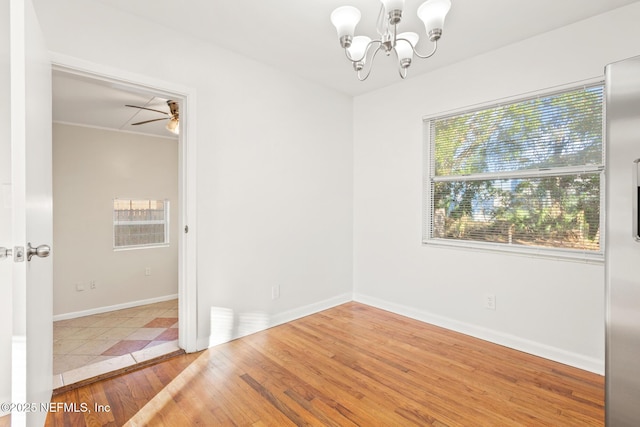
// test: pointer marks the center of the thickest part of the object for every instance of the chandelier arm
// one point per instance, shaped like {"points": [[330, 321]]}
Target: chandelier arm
{"points": [[400, 69], [415, 51], [435, 47], [373, 57], [366, 51]]}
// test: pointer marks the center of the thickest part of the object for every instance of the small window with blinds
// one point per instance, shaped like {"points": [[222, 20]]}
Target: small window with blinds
{"points": [[140, 223], [524, 176]]}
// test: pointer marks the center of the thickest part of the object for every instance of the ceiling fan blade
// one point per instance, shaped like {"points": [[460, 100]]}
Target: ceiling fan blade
{"points": [[150, 109], [149, 121]]}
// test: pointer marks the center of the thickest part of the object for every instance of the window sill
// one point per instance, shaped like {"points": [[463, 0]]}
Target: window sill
{"points": [[584, 257]]}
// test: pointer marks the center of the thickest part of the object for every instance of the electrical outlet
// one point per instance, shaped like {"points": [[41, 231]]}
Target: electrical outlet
{"points": [[275, 292], [79, 287], [147, 271], [490, 301], [92, 284]]}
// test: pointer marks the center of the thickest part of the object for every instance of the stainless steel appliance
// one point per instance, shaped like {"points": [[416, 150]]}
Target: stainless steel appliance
{"points": [[622, 244]]}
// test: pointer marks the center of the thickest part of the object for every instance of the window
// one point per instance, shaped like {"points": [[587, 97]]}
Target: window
{"points": [[526, 175], [140, 223]]}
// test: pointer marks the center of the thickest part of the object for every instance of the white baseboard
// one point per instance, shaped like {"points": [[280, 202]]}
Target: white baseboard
{"points": [[257, 322], [307, 310], [236, 327], [108, 308], [538, 349]]}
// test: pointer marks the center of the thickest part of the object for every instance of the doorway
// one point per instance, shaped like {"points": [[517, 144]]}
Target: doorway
{"points": [[97, 300]]}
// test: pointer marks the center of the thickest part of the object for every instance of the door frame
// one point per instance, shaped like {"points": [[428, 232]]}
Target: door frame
{"points": [[187, 162]]}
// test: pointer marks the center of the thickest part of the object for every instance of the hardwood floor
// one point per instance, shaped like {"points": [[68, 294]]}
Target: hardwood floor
{"points": [[347, 366]]}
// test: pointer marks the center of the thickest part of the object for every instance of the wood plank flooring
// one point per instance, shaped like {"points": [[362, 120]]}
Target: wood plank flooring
{"points": [[352, 365]]}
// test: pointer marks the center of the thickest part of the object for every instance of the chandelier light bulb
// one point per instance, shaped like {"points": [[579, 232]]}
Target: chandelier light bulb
{"points": [[394, 10], [358, 51], [345, 19], [358, 48], [432, 13], [404, 47]]}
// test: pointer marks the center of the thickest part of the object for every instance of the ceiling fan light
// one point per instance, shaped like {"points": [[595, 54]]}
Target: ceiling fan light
{"points": [[432, 13], [345, 19], [173, 126]]}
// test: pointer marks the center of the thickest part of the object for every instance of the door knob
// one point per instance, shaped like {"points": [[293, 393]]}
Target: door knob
{"points": [[41, 251]]}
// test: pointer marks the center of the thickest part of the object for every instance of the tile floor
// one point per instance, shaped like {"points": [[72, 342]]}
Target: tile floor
{"points": [[107, 339]]}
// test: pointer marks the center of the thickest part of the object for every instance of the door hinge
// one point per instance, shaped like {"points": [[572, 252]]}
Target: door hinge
{"points": [[186, 229]]}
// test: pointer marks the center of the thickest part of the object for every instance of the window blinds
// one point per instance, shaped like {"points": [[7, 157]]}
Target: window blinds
{"points": [[140, 222], [525, 173]]}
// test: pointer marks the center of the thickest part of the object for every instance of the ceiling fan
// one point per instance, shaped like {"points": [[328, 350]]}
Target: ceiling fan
{"points": [[173, 116]]}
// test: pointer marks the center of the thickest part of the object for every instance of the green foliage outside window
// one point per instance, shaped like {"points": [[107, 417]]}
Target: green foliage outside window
{"points": [[526, 173]]}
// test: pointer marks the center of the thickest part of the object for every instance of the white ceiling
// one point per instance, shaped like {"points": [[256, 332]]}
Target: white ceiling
{"points": [[296, 36], [89, 102]]}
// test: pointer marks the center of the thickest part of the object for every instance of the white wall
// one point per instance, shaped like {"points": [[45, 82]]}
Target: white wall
{"points": [[91, 167], [548, 307], [275, 156]]}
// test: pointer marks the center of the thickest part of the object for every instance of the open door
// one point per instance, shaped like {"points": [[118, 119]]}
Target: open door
{"points": [[27, 200], [5, 211]]}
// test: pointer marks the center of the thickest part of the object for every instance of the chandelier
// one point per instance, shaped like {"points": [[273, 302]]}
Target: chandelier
{"points": [[361, 50]]}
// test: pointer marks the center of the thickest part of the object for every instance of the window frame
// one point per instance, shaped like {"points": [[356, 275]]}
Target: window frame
{"points": [[166, 222], [429, 178]]}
